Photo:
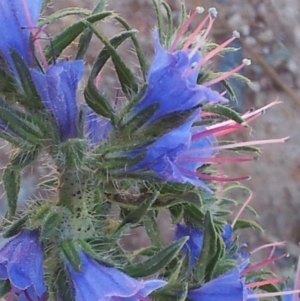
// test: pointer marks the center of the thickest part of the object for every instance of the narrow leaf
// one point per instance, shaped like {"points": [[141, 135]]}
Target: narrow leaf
{"points": [[126, 77], [156, 262], [67, 36], [11, 181]]}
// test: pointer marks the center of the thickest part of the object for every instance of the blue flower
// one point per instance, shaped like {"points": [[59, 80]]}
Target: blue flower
{"points": [[96, 127], [21, 262], [175, 156], [172, 83], [57, 88], [227, 287], [193, 245], [96, 282], [16, 22]]}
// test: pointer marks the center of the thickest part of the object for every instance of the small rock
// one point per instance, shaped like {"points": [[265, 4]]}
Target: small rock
{"points": [[266, 36]]}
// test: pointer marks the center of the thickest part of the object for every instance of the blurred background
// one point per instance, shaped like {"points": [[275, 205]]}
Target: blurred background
{"points": [[270, 37]]}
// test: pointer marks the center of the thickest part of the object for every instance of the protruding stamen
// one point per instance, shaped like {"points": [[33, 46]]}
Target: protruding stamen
{"points": [[214, 159], [225, 75], [274, 244], [249, 143], [181, 31], [212, 178], [241, 210], [246, 116], [211, 54], [195, 32], [214, 131], [265, 282], [33, 31], [276, 294], [262, 264], [213, 12]]}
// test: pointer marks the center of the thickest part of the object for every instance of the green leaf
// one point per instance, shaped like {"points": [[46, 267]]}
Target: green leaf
{"points": [[137, 215], [20, 158], [17, 122], [70, 251], [50, 225], [138, 50], [209, 249], [242, 224], [170, 24], [11, 181], [69, 11], [159, 19], [137, 121], [87, 34], [32, 100], [16, 227], [164, 124], [67, 36], [152, 229], [72, 152], [93, 98], [5, 288], [156, 262], [225, 112], [125, 75]]}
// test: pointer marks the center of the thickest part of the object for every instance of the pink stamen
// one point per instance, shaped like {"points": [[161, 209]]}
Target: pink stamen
{"points": [[241, 210], [265, 282], [272, 252], [227, 74], [211, 54], [262, 264], [214, 131], [34, 33], [247, 115], [181, 31], [195, 32], [274, 244], [249, 143], [214, 159], [267, 295], [209, 177]]}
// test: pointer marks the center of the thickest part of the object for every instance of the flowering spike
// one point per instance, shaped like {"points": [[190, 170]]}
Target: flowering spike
{"points": [[274, 244]]}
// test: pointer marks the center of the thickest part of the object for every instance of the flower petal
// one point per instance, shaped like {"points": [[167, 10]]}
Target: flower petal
{"points": [[15, 27], [57, 88]]}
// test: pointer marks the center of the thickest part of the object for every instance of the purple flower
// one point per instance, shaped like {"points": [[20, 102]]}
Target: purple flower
{"points": [[193, 245], [18, 17], [227, 287], [57, 88], [96, 282], [21, 262]]}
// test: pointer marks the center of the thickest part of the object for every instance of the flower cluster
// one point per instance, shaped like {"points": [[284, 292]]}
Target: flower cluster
{"points": [[159, 150]]}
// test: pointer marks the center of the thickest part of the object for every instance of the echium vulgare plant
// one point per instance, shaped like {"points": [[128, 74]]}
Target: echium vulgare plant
{"points": [[160, 148]]}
